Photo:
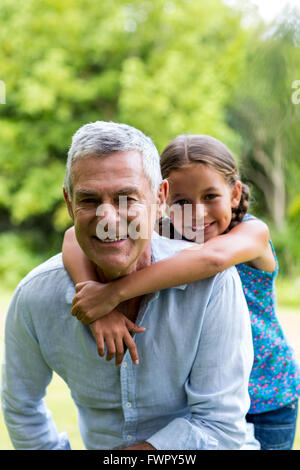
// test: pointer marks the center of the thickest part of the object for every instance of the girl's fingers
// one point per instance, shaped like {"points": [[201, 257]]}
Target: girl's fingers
{"points": [[132, 348], [119, 350], [75, 310], [100, 345], [111, 349], [79, 286], [134, 328]]}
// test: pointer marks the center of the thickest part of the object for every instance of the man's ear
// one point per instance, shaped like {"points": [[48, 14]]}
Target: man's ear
{"points": [[69, 204], [236, 194], [162, 197]]}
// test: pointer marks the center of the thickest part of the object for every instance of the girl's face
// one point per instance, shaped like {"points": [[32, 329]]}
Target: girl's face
{"points": [[197, 183]]}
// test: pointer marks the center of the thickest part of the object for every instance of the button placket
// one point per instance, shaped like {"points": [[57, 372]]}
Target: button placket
{"points": [[128, 380], [128, 391]]}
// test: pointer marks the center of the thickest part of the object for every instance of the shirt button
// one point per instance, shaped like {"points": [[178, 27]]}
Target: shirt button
{"points": [[128, 404], [124, 364], [129, 437]]}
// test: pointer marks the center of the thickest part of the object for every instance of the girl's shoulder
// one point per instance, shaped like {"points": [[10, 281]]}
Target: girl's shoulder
{"points": [[258, 264], [250, 217], [260, 224]]}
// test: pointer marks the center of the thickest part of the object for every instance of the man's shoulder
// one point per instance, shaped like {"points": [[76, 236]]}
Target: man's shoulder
{"points": [[54, 263], [47, 277], [163, 247]]}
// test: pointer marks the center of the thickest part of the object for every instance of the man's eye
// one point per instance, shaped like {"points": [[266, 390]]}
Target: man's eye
{"points": [[89, 201], [127, 200]]}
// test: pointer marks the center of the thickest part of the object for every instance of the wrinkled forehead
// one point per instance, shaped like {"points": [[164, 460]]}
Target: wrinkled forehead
{"points": [[119, 172]]}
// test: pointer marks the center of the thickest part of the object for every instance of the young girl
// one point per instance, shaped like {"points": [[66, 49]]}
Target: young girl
{"points": [[201, 170]]}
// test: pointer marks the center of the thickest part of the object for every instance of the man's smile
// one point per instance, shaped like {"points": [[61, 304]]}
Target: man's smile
{"points": [[111, 241]]}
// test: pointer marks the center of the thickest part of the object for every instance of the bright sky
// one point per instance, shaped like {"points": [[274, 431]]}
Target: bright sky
{"points": [[270, 8]]}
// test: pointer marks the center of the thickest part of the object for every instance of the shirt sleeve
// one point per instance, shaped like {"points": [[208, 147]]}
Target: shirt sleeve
{"points": [[25, 376], [217, 387]]}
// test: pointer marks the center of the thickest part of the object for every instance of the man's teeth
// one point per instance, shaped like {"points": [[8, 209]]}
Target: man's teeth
{"points": [[110, 240]]}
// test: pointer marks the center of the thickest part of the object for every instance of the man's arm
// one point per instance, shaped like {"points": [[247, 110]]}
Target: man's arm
{"points": [[217, 387], [25, 378]]}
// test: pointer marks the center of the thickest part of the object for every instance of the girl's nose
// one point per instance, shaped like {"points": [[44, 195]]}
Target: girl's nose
{"points": [[199, 210]]}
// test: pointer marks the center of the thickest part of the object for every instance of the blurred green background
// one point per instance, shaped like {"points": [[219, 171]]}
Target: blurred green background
{"points": [[165, 67]]}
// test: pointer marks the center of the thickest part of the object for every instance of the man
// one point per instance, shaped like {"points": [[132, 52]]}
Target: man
{"points": [[190, 390]]}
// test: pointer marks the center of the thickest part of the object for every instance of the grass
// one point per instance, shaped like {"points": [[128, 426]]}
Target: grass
{"points": [[288, 292], [60, 402]]}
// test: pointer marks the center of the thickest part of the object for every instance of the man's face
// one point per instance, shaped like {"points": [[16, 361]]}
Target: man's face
{"points": [[98, 184]]}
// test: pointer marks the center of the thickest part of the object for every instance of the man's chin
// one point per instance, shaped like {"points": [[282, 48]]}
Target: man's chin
{"points": [[112, 265], [115, 258]]}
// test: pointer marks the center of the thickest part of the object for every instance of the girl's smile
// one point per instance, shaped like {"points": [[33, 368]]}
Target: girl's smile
{"points": [[206, 190]]}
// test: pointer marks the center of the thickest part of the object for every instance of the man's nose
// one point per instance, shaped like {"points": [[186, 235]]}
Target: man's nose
{"points": [[110, 223], [109, 213]]}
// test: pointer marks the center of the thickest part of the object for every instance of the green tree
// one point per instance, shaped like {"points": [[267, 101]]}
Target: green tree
{"points": [[263, 113], [165, 67]]}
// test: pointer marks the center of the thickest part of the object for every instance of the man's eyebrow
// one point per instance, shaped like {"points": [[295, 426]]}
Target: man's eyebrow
{"points": [[129, 190], [123, 191], [85, 192]]}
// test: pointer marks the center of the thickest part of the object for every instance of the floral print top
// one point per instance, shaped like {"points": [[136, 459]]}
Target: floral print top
{"points": [[275, 376]]}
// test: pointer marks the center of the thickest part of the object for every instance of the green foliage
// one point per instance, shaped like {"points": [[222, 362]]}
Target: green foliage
{"points": [[166, 67], [17, 258], [184, 82], [264, 115]]}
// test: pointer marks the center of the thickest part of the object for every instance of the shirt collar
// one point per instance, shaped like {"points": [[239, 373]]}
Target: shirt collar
{"points": [[157, 253]]}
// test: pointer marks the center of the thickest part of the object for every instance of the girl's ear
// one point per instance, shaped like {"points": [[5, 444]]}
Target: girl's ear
{"points": [[236, 194]]}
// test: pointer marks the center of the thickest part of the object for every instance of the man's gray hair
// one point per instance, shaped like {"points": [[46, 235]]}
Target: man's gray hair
{"points": [[102, 138]]}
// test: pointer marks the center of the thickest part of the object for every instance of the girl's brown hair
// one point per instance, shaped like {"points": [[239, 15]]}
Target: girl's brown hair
{"points": [[187, 149]]}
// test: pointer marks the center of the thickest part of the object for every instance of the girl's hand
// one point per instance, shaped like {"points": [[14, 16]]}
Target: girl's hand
{"points": [[113, 329], [93, 300]]}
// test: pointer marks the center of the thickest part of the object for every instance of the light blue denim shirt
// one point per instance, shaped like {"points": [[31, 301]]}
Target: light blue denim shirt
{"points": [[190, 390]]}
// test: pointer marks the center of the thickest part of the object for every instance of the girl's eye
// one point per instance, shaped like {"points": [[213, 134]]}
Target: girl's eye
{"points": [[209, 197], [181, 202]]}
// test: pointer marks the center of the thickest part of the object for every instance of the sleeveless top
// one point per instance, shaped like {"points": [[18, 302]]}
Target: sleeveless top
{"points": [[275, 376]]}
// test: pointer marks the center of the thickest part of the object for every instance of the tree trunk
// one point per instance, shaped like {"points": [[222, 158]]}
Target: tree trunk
{"points": [[271, 181], [278, 180]]}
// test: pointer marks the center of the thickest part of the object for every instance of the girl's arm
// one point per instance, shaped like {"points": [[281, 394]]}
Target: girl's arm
{"points": [[246, 242], [76, 262], [84, 275], [114, 329]]}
